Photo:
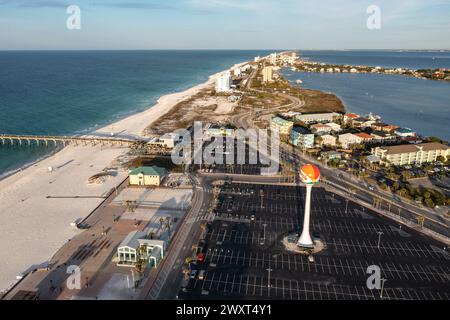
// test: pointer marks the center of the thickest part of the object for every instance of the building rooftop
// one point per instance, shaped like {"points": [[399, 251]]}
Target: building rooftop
{"points": [[132, 239], [364, 135], [148, 171], [409, 148], [301, 130], [281, 122], [404, 130], [352, 115]]}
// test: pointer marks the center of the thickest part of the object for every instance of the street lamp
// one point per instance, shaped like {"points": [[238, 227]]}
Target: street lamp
{"points": [[382, 287], [268, 281], [264, 226], [379, 238]]}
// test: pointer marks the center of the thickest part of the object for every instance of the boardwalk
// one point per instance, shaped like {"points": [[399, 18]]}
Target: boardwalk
{"points": [[10, 139]]}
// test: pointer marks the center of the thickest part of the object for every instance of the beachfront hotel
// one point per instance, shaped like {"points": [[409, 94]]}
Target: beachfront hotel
{"points": [[267, 74], [411, 154]]}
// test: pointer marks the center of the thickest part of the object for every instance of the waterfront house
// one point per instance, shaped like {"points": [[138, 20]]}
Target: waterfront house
{"points": [[350, 116], [302, 137], [381, 136], [365, 137], [389, 128], [321, 128], [408, 154], [404, 132], [349, 139], [147, 176], [281, 125], [334, 126]]}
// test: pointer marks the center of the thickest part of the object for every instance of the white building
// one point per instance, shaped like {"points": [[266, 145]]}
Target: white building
{"points": [[412, 154], [223, 83], [349, 139], [334, 126], [137, 247], [328, 140], [257, 59], [237, 72], [318, 117]]}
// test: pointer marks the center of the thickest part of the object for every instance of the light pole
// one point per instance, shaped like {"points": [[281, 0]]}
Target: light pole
{"points": [[382, 287], [264, 236], [268, 281], [379, 238], [346, 205]]}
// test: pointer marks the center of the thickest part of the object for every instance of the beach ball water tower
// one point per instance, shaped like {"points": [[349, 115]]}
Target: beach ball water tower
{"points": [[310, 175]]}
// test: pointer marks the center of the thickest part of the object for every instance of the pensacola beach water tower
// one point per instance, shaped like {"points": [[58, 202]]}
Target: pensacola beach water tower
{"points": [[310, 175]]}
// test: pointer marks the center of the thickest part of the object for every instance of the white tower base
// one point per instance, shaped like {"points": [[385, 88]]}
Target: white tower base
{"points": [[305, 240]]}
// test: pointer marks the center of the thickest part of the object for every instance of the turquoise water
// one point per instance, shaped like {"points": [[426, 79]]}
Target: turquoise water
{"points": [[70, 92]]}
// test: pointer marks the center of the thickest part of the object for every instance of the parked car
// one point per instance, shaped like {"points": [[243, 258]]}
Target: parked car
{"points": [[201, 275], [193, 274]]}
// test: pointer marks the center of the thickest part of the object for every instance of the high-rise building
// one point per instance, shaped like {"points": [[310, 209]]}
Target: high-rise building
{"points": [[267, 73], [223, 83]]}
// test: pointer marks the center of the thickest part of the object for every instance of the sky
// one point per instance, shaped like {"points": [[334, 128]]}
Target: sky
{"points": [[224, 24]]}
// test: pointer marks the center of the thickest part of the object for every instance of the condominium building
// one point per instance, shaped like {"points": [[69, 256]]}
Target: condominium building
{"points": [[267, 73], [223, 83], [302, 137], [411, 153], [318, 117], [281, 125]]}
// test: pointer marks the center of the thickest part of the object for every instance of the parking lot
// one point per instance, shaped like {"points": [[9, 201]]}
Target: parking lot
{"points": [[244, 257]]}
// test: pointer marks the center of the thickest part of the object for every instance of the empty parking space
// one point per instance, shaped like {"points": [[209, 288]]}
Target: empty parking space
{"points": [[244, 255]]}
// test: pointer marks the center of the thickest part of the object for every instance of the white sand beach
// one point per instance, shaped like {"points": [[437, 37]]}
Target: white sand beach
{"points": [[32, 225]]}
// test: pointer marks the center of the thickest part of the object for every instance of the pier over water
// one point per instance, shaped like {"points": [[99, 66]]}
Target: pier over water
{"points": [[28, 140]]}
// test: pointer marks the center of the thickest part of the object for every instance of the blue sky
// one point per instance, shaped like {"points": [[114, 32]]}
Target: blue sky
{"points": [[224, 24]]}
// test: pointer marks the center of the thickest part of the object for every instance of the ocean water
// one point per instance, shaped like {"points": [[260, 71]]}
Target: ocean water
{"points": [[71, 92], [422, 105], [383, 58]]}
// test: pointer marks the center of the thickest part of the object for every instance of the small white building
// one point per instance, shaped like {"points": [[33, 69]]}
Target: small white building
{"points": [[137, 247]]}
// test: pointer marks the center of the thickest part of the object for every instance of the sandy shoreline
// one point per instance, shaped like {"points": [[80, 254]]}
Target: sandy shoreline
{"points": [[33, 225]]}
